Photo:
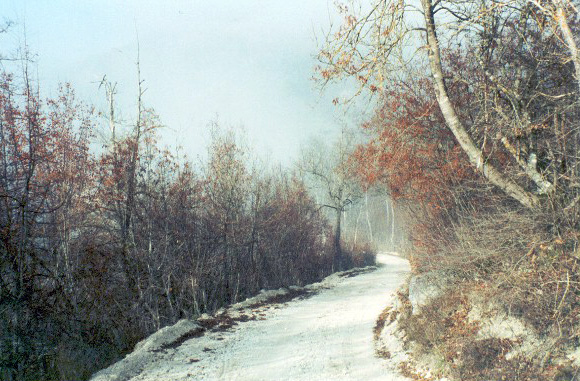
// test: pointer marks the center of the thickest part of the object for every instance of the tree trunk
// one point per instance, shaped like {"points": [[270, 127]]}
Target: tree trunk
{"points": [[392, 225], [454, 124], [337, 247], [356, 228], [370, 226], [568, 38]]}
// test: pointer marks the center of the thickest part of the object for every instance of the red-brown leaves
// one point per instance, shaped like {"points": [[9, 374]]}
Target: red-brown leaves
{"points": [[411, 150]]}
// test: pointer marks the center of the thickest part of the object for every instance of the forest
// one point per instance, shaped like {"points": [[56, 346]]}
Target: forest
{"points": [[474, 139]]}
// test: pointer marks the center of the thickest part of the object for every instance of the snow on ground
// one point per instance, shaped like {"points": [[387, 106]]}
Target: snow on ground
{"points": [[327, 336]]}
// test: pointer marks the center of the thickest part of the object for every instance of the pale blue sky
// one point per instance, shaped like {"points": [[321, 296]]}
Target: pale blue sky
{"points": [[248, 61]]}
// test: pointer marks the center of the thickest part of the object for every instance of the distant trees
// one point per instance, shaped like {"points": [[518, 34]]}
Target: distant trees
{"points": [[372, 222]]}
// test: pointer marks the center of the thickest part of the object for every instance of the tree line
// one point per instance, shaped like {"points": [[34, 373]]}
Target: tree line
{"points": [[103, 245]]}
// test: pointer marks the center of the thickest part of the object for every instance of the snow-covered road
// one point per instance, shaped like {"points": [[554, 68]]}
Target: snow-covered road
{"points": [[328, 336]]}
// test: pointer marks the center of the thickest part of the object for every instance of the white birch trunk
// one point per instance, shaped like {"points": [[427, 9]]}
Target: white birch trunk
{"points": [[368, 217], [454, 124]]}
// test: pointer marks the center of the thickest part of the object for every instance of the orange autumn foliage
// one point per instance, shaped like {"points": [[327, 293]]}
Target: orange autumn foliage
{"points": [[410, 150]]}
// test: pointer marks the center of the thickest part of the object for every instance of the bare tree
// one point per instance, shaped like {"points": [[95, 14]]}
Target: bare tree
{"points": [[329, 173]]}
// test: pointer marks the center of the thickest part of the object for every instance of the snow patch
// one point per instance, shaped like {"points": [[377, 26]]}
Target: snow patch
{"points": [[389, 344], [574, 356], [499, 325], [147, 350]]}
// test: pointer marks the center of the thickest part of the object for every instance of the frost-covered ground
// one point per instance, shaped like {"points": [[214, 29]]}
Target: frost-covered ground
{"points": [[327, 336]]}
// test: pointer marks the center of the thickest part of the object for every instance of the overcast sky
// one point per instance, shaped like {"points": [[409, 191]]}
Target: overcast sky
{"points": [[250, 62]]}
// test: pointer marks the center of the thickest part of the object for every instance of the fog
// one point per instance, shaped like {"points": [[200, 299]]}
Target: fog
{"points": [[247, 64]]}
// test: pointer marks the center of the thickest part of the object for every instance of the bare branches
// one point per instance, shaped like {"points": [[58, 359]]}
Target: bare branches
{"points": [[365, 45], [518, 78]]}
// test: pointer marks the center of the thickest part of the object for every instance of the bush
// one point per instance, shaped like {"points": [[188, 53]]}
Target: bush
{"points": [[359, 255]]}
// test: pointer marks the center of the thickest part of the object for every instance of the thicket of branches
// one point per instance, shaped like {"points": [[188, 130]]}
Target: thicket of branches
{"points": [[100, 249], [477, 132]]}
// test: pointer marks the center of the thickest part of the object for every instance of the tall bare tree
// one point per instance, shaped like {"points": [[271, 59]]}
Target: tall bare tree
{"points": [[328, 169]]}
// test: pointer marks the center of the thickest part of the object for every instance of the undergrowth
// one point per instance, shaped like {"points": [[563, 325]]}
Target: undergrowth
{"points": [[507, 263]]}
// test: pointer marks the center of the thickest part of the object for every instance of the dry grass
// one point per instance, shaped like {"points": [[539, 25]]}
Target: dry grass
{"points": [[409, 369], [381, 321], [359, 255], [519, 262]]}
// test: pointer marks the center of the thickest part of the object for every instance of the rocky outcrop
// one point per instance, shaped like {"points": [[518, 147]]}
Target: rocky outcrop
{"points": [[425, 287]]}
